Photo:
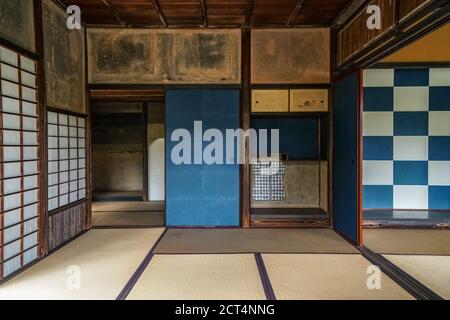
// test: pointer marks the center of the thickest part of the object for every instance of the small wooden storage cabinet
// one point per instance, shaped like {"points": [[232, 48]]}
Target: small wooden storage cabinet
{"points": [[295, 101], [308, 100], [270, 101]]}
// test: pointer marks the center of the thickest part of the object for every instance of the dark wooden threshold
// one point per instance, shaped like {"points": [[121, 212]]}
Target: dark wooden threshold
{"points": [[406, 281], [289, 218]]}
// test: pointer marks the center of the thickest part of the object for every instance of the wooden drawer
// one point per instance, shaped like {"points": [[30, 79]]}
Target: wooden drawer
{"points": [[309, 100], [270, 100]]}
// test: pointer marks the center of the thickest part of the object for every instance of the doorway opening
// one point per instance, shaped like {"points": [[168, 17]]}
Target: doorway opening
{"points": [[128, 142]]}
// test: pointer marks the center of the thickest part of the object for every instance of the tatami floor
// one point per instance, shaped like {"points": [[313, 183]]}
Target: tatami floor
{"points": [[157, 264]]}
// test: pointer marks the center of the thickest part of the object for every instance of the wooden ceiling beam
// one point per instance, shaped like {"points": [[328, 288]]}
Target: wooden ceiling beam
{"points": [[295, 13], [115, 13], [249, 13], [158, 10], [345, 15], [204, 13]]}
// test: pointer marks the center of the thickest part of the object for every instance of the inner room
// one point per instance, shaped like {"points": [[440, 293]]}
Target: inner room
{"points": [[128, 140]]}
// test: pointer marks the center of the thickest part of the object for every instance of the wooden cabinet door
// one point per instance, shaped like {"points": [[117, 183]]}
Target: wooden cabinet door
{"points": [[270, 101], [309, 100]]}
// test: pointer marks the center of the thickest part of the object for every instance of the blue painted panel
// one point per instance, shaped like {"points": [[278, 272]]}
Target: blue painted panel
{"points": [[378, 197], [201, 195], [439, 198], [439, 148], [345, 164], [378, 148], [379, 99], [412, 77], [411, 123], [439, 98], [298, 137], [411, 173]]}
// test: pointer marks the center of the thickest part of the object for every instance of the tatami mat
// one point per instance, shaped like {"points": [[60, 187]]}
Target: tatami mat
{"points": [[139, 206], [253, 240], [104, 259], [326, 277], [200, 277], [144, 219], [431, 271], [406, 241]]}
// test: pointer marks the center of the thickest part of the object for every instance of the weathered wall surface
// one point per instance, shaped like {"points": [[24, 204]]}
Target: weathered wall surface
{"points": [[64, 61], [291, 56], [164, 56], [17, 22]]}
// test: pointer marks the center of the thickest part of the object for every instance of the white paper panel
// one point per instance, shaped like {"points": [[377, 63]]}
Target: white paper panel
{"points": [[82, 193], [82, 173], [52, 191], [81, 133], [82, 163], [30, 211], [63, 143], [11, 217], [73, 164], [30, 153], [11, 202], [63, 119], [82, 183], [9, 56], [11, 138], [52, 179], [81, 122], [73, 121], [73, 176], [11, 186], [10, 105], [73, 153], [11, 266], [52, 154], [82, 153], [30, 197], [52, 118], [11, 250], [10, 89], [27, 64], [63, 131], [11, 121], [29, 124], [52, 130], [74, 196], [63, 200], [64, 165], [63, 154], [30, 167], [52, 142], [63, 188], [30, 255], [30, 241], [63, 177], [53, 166], [11, 153], [11, 234], [30, 138], [28, 79], [9, 73], [29, 109], [73, 132], [11, 170], [30, 182], [30, 226], [52, 204], [82, 143]]}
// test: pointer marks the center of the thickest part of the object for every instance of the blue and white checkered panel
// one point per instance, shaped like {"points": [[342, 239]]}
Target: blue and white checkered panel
{"points": [[406, 129]]}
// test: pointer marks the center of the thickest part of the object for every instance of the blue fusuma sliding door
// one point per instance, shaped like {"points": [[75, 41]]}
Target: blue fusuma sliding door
{"points": [[346, 159], [201, 194]]}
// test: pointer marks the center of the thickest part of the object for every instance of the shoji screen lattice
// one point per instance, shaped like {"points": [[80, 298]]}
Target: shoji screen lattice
{"points": [[19, 162], [66, 159]]}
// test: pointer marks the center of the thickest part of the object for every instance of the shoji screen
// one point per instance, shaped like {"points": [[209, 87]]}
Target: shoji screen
{"points": [[19, 162], [66, 159]]}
